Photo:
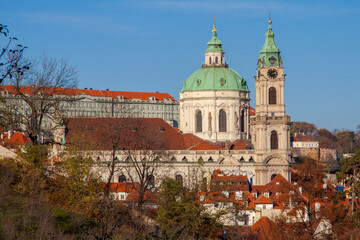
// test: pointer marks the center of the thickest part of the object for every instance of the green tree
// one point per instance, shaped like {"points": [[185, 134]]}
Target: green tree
{"points": [[35, 155], [76, 188], [181, 214]]}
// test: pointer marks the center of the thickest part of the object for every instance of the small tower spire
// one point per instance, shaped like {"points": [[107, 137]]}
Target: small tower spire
{"points": [[269, 53], [214, 27], [214, 54], [269, 18]]}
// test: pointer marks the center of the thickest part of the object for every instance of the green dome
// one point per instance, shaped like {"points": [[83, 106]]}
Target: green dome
{"points": [[215, 78]]}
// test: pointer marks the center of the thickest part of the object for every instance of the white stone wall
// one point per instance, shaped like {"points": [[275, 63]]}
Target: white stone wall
{"points": [[210, 103], [305, 144], [257, 171]]}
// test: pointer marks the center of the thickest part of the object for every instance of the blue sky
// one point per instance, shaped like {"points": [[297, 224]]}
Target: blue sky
{"points": [[156, 45]]}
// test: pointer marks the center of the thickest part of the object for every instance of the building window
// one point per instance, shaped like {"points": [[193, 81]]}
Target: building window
{"points": [[272, 95], [222, 59], [216, 60], [222, 121], [274, 140], [198, 121], [179, 178], [209, 60], [242, 119], [151, 181], [122, 178]]}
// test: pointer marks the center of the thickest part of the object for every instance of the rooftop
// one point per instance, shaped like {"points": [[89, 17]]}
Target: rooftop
{"points": [[144, 96]]}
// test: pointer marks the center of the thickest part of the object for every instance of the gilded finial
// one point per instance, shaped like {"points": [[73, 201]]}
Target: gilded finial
{"points": [[269, 18], [214, 28]]}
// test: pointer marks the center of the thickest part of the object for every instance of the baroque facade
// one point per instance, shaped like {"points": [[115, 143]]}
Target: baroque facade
{"points": [[217, 130]]}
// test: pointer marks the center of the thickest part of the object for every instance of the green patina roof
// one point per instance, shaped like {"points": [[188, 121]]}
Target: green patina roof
{"points": [[269, 53], [215, 78], [214, 45]]}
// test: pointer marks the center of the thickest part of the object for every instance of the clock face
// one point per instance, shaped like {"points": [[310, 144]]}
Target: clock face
{"points": [[272, 73]]}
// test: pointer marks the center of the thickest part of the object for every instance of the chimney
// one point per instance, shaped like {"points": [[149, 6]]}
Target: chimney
{"points": [[10, 134], [107, 89]]}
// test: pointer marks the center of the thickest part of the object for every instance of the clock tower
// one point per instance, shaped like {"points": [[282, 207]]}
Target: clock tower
{"points": [[270, 127]]}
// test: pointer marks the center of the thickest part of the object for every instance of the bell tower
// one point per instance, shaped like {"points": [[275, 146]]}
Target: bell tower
{"points": [[270, 128]]}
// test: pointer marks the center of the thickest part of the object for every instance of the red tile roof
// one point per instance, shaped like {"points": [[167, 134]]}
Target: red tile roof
{"points": [[264, 225], [16, 139], [277, 180], [134, 133], [144, 96], [123, 187], [252, 111], [230, 182], [239, 145], [263, 200]]}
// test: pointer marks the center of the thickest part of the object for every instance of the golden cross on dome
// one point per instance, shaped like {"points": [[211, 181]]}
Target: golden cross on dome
{"points": [[214, 30], [269, 18]]}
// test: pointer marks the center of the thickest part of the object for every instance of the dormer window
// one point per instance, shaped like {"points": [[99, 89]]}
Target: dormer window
{"points": [[152, 98], [120, 97]]}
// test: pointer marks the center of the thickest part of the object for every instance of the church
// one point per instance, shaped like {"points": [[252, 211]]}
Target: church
{"points": [[218, 129]]}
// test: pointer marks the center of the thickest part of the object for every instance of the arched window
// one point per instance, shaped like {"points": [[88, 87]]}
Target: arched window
{"points": [[216, 60], [242, 123], [122, 178], [274, 140], [209, 60], [198, 122], [222, 121], [272, 95], [151, 181], [179, 178]]}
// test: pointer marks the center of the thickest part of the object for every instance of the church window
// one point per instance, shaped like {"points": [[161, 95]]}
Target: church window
{"points": [[274, 140], [198, 122], [222, 121], [216, 60], [242, 119], [209, 60], [179, 178], [122, 178], [151, 180], [272, 95]]}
